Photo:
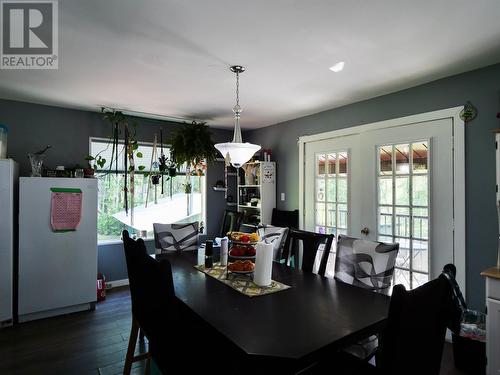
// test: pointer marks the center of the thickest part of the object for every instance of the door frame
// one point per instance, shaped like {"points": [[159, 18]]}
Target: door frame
{"points": [[458, 139]]}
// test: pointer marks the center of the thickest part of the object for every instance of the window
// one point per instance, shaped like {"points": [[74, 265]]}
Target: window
{"points": [[171, 206], [403, 208], [331, 199]]}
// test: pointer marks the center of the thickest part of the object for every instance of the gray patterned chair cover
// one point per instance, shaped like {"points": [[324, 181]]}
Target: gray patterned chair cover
{"points": [[370, 265], [176, 237], [364, 263], [274, 235]]}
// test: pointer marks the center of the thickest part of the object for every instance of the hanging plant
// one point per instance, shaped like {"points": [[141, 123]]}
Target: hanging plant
{"points": [[121, 127], [192, 145]]}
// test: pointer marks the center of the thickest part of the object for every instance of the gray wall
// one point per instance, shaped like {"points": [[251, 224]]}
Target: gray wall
{"points": [[481, 87], [33, 126]]}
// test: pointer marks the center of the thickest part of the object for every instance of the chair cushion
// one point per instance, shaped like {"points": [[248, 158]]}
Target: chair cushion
{"points": [[274, 235], [176, 237], [364, 263]]}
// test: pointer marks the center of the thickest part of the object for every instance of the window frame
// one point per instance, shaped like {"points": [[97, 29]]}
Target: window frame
{"points": [[203, 186]]}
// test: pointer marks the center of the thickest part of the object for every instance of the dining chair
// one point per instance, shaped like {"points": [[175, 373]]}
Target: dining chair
{"points": [[310, 245], [365, 263], [151, 293], [176, 237], [167, 323], [231, 222], [285, 219], [413, 339], [369, 265], [274, 235]]}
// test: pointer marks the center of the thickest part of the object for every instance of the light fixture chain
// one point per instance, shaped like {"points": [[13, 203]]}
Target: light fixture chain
{"points": [[237, 88]]}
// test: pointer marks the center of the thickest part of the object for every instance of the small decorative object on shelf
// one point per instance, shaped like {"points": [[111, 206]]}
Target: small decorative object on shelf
{"points": [[36, 161]]}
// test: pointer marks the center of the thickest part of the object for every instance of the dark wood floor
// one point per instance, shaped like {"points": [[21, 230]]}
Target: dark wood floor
{"points": [[86, 343]]}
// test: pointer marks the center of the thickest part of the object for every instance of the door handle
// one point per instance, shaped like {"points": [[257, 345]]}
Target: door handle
{"points": [[365, 231]]}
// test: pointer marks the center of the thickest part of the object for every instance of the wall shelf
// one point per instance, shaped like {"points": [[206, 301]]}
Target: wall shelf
{"points": [[219, 188]]}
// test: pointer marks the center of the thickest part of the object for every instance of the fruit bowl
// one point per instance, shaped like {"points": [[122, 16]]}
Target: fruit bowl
{"points": [[241, 266]]}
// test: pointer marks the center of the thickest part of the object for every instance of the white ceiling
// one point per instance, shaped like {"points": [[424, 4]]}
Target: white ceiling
{"points": [[172, 57]]}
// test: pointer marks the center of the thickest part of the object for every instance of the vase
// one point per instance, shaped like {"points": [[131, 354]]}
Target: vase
{"points": [[36, 161]]}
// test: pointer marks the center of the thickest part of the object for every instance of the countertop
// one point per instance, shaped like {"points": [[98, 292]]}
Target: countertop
{"points": [[493, 272]]}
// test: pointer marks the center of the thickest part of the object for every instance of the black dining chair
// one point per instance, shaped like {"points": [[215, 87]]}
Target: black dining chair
{"points": [[285, 219], [231, 222], [310, 245], [369, 265], [170, 328], [152, 296], [412, 342]]}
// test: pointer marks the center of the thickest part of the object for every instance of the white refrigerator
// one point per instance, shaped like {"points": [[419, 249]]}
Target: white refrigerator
{"points": [[8, 238], [57, 270]]}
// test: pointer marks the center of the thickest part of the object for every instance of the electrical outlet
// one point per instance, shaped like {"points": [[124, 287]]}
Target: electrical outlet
{"points": [[282, 196]]}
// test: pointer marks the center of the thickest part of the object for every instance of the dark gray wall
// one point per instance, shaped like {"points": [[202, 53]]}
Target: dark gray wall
{"points": [[481, 87], [33, 126]]}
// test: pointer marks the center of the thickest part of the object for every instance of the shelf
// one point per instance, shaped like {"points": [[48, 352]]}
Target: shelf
{"points": [[245, 206], [232, 174], [249, 186], [250, 225], [231, 204], [219, 188]]}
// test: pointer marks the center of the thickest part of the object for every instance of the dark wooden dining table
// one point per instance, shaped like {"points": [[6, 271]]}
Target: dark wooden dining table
{"points": [[314, 318]]}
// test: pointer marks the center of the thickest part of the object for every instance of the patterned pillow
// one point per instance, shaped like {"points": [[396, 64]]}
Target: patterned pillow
{"points": [[176, 237], [365, 263], [274, 235]]}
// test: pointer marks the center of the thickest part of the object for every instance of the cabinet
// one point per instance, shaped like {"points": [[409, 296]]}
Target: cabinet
{"points": [[492, 320], [257, 192]]}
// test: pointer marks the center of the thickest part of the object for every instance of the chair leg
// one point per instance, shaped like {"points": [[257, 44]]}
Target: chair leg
{"points": [[129, 359], [147, 368]]}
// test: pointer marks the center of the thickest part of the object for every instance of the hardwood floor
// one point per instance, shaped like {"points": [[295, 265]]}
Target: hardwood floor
{"points": [[87, 343]]}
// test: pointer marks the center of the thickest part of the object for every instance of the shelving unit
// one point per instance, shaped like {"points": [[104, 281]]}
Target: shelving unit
{"points": [[231, 182], [257, 200]]}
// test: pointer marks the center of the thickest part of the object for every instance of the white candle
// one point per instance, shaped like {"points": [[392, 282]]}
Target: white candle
{"points": [[263, 264]]}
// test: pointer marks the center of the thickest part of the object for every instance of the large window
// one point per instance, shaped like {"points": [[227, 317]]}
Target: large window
{"points": [[171, 206]]}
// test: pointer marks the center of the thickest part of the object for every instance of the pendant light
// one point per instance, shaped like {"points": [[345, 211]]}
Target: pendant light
{"points": [[237, 152]]}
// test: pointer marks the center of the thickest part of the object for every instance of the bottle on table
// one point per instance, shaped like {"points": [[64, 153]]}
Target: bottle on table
{"points": [[209, 250]]}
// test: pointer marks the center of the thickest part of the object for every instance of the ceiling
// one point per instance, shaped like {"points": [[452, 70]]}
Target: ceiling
{"points": [[171, 57]]}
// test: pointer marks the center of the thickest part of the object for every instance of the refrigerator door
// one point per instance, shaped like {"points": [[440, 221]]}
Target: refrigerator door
{"points": [[8, 181], [57, 270]]}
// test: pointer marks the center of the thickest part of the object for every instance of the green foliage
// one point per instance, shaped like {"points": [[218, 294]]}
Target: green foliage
{"points": [[192, 144]]}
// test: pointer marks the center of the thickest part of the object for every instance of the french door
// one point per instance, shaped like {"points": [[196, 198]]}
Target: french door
{"points": [[390, 184]]}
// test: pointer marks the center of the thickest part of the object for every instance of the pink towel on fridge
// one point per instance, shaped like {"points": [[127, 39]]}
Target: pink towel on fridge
{"points": [[66, 209]]}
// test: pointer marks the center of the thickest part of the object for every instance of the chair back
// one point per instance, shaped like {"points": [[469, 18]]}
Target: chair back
{"points": [[310, 245], [274, 235], [231, 222], [413, 340], [151, 285], [176, 237], [285, 219], [364, 263]]}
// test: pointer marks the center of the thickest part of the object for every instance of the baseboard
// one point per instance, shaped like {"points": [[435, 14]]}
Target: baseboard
{"points": [[54, 312], [116, 283]]}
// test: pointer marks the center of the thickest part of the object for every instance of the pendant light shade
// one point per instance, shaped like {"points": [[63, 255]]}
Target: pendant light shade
{"points": [[237, 152]]}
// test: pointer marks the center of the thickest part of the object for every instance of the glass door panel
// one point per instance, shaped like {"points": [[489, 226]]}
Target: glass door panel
{"points": [[403, 208]]}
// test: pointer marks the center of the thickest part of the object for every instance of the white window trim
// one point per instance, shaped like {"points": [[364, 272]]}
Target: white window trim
{"points": [[458, 135]]}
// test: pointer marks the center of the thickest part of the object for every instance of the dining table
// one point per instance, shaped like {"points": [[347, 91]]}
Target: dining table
{"points": [[308, 322]]}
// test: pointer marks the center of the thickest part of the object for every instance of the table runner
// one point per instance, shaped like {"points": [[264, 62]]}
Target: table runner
{"points": [[242, 283]]}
